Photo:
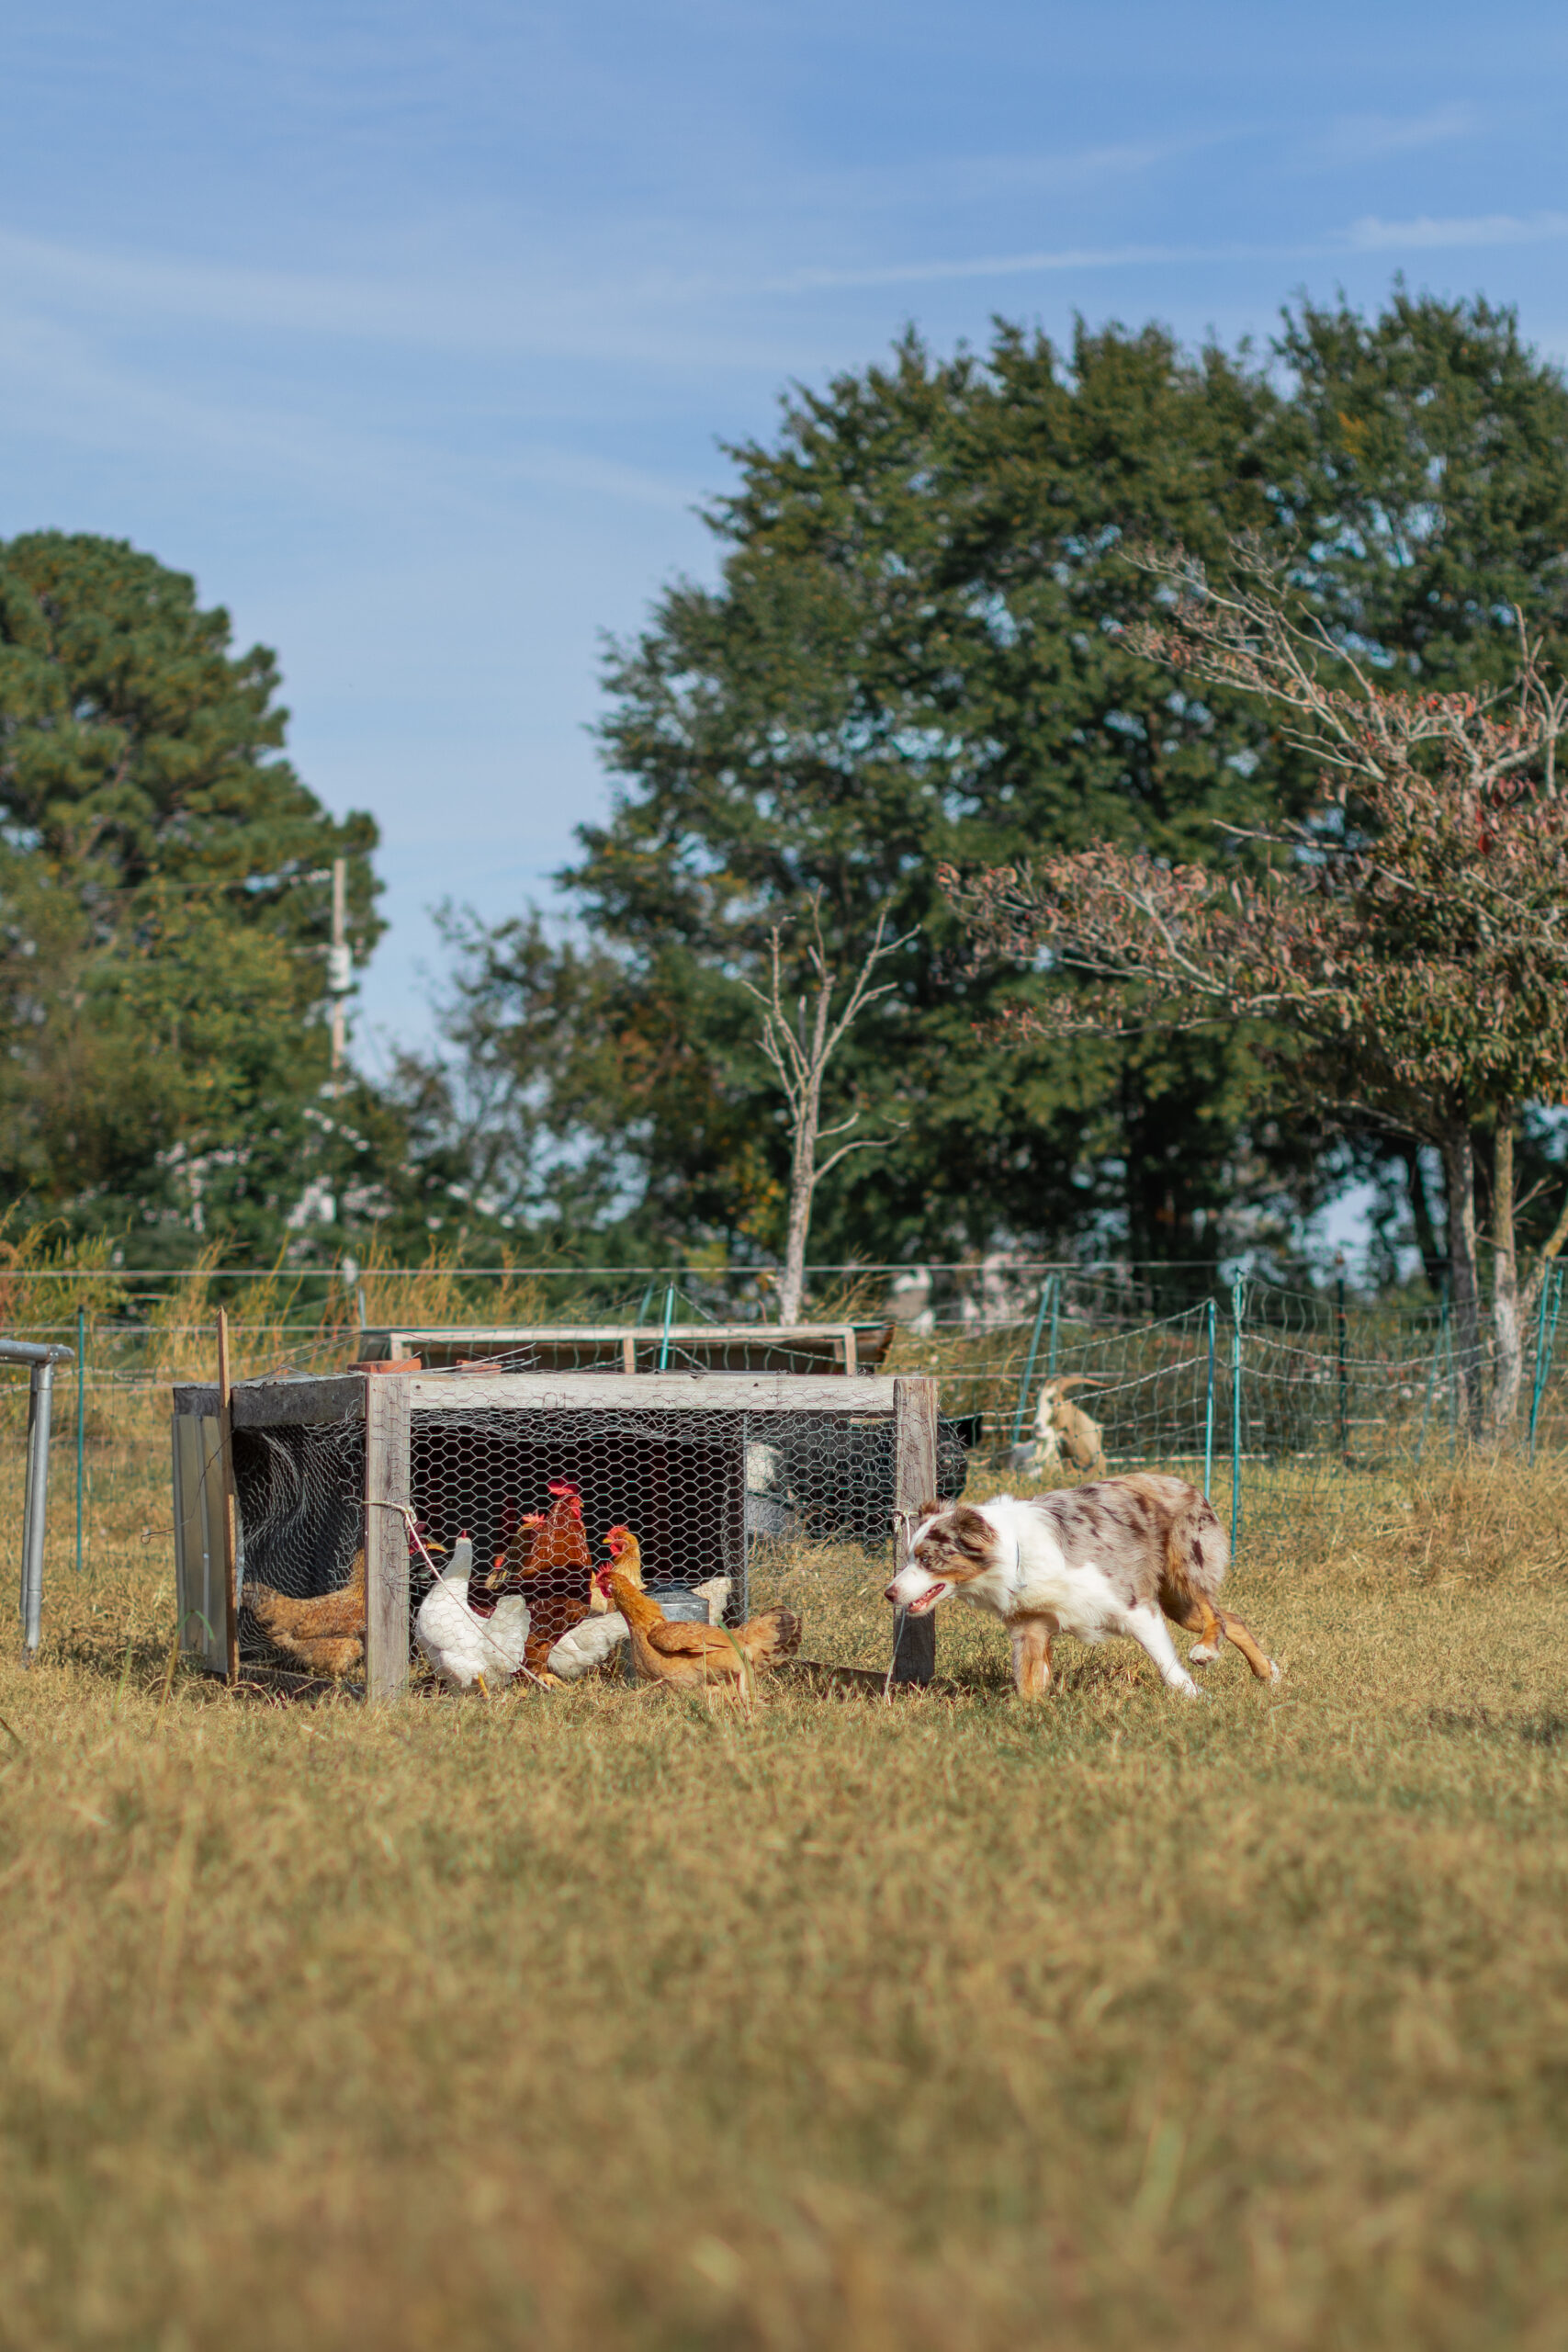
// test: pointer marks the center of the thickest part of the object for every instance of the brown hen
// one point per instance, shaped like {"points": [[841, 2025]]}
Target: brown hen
{"points": [[683, 1655], [324, 1634]]}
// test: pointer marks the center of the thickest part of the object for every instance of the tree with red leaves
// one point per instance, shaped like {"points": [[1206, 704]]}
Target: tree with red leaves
{"points": [[1406, 946]]}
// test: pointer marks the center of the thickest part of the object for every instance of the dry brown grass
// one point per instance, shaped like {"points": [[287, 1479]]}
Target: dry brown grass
{"points": [[606, 2019]]}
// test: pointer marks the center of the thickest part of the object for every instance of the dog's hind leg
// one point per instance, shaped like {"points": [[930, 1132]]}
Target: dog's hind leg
{"points": [[1031, 1655], [1263, 1667], [1195, 1613]]}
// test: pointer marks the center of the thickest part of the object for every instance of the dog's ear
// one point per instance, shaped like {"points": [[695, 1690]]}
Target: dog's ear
{"points": [[930, 1510]]}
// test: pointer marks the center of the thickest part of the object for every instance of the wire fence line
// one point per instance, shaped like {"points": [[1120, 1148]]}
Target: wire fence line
{"points": [[1275, 1398]]}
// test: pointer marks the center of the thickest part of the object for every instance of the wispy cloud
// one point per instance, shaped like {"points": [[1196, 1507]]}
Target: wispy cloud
{"points": [[1368, 138], [1064, 258], [964, 179], [468, 309], [1375, 235], [658, 316]]}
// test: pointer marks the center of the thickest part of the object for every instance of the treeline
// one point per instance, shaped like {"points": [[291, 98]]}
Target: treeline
{"points": [[914, 657]]}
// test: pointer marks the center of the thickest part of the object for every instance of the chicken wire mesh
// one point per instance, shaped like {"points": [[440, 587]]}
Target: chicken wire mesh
{"points": [[702, 1491]]}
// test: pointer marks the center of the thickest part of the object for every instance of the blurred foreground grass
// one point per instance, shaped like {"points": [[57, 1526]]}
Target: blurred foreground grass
{"points": [[597, 2018]]}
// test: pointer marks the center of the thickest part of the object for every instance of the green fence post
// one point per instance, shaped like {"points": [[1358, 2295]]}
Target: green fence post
{"points": [[1046, 1289], [1238, 1308], [669, 1318], [1055, 1325], [1545, 1336], [81, 1423], [1209, 1408]]}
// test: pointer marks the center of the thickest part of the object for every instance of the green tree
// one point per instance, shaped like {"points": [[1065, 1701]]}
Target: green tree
{"points": [[913, 656], [908, 658], [165, 913], [1420, 471]]}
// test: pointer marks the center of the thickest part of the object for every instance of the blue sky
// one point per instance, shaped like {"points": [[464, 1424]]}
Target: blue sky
{"points": [[411, 329]]}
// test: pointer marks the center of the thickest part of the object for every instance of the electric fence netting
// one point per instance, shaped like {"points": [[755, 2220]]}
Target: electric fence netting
{"points": [[1279, 1400], [1276, 1400]]}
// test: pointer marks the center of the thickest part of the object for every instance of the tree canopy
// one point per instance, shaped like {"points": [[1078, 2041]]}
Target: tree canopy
{"points": [[163, 874], [913, 655]]}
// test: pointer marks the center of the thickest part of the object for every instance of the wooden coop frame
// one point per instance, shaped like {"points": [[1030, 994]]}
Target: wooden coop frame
{"points": [[386, 1403], [844, 1349]]}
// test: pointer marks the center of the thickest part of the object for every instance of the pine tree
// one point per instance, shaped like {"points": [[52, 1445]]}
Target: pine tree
{"points": [[166, 908]]}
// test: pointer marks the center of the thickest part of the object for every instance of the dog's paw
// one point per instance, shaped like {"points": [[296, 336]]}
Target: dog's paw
{"points": [[1275, 1672], [1202, 1654]]}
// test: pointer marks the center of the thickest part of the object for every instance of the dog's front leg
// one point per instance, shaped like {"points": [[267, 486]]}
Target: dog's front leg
{"points": [[1031, 1655]]}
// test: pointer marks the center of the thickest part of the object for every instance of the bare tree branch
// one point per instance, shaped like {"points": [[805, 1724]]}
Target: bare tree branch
{"points": [[800, 1051]]}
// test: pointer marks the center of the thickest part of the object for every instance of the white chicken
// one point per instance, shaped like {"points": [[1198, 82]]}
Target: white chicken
{"points": [[462, 1648], [587, 1646]]}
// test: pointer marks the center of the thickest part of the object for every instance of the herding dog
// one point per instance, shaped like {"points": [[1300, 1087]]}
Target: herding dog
{"points": [[1107, 1558]]}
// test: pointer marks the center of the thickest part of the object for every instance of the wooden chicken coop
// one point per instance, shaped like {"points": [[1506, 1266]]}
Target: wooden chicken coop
{"points": [[710, 1470]]}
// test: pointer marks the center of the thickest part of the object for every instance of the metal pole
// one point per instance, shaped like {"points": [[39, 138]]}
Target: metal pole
{"points": [[1055, 1325], [1238, 1307], [80, 1424], [40, 1360], [1046, 1288], [340, 971], [669, 1318], [1546, 1334], [1209, 1407]]}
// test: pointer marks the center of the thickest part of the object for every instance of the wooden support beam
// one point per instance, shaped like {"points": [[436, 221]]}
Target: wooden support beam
{"points": [[866, 1397], [914, 1483], [231, 1549], [386, 1536]]}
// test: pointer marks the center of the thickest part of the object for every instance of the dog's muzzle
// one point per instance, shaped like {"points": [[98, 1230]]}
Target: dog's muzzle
{"points": [[921, 1602]]}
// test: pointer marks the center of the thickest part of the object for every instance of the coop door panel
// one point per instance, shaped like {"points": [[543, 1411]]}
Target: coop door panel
{"points": [[199, 1537]]}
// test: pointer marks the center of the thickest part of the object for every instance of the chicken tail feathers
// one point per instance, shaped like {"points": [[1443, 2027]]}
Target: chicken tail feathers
{"points": [[773, 1637]]}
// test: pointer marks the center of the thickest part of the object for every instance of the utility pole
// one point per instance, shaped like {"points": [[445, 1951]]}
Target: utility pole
{"points": [[340, 964]]}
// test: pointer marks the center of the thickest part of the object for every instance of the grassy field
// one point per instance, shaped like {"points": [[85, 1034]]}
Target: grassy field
{"points": [[595, 2019]]}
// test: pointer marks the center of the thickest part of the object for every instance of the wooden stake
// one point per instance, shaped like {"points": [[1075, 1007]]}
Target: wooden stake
{"points": [[385, 1538], [226, 1446]]}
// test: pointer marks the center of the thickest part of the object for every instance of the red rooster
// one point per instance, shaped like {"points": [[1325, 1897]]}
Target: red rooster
{"points": [[548, 1559]]}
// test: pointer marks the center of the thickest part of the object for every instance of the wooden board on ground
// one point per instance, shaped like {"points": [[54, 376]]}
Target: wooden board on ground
{"points": [[855, 1682]]}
